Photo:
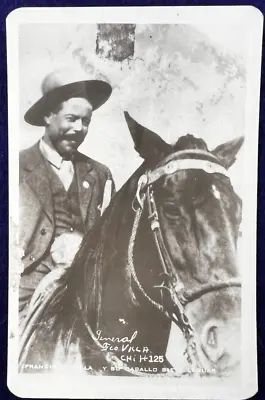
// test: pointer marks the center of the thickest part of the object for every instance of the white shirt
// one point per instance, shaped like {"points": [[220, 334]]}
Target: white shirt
{"points": [[64, 169]]}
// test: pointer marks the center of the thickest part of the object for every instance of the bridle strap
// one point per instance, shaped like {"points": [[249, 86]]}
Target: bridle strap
{"points": [[190, 154], [176, 310], [184, 164], [164, 257]]}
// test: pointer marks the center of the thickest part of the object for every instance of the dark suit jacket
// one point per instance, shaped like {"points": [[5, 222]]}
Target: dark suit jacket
{"points": [[36, 223]]}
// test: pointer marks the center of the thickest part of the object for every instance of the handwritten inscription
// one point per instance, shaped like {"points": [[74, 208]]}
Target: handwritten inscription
{"points": [[124, 339], [123, 344]]}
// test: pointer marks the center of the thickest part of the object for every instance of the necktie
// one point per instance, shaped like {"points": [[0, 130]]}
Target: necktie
{"points": [[66, 173]]}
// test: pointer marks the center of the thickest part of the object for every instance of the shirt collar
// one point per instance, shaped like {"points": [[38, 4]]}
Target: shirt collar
{"points": [[49, 152]]}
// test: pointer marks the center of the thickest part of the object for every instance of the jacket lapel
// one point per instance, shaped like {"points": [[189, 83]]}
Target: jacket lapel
{"points": [[85, 181], [38, 179]]}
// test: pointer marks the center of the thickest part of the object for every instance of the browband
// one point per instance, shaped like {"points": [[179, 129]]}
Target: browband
{"points": [[177, 165], [197, 154]]}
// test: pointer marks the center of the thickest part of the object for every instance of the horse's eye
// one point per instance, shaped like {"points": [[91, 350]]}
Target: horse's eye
{"points": [[172, 210]]}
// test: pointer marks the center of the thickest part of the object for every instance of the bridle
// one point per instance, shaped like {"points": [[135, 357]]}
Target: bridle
{"points": [[179, 297]]}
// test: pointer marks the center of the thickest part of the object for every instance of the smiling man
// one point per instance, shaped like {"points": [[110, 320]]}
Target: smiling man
{"points": [[62, 191]]}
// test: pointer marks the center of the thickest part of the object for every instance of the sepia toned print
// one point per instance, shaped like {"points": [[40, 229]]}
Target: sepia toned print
{"points": [[136, 202]]}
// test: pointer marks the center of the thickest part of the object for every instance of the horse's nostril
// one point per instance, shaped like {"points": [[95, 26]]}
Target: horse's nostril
{"points": [[212, 339]]}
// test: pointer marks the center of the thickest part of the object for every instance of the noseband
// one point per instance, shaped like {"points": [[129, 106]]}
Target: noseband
{"points": [[177, 296]]}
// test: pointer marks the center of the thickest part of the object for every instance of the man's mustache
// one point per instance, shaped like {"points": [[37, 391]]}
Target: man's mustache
{"points": [[75, 137]]}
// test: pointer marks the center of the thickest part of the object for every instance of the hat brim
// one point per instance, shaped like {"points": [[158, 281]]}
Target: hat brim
{"points": [[95, 91]]}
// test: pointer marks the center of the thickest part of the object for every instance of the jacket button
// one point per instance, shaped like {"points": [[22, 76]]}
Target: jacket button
{"points": [[32, 258], [43, 231], [71, 229], [86, 184]]}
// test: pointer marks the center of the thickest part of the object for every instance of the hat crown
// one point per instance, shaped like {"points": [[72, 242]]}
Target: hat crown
{"points": [[61, 77]]}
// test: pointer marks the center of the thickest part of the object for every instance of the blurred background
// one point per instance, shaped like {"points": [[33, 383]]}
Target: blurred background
{"points": [[173, 79]]}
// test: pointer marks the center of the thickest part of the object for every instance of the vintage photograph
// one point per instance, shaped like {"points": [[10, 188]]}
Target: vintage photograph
{"points": [[132, 219]]}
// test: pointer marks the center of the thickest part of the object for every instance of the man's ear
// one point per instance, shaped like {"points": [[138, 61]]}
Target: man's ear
{"points": [[47, 119], [148, 144], [226, 152]]}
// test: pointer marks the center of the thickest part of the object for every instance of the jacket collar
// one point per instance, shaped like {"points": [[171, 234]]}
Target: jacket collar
{"points": [[49, 152]]}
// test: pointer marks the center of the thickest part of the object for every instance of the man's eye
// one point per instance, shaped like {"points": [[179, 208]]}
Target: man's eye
{"points": [[70, 118], [86, 122]]}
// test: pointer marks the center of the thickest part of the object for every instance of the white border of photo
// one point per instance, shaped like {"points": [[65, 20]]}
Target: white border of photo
{"points": [[69, 384]]}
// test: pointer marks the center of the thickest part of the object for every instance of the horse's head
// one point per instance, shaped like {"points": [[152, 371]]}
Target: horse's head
{"points": [[198, 222]]}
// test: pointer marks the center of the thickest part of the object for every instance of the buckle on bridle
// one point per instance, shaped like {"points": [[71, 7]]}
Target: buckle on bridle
{"points": [[174, 288], [139, 197]]}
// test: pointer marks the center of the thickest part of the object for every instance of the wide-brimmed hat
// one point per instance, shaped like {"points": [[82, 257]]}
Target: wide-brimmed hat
{"points": [[63, 84]]}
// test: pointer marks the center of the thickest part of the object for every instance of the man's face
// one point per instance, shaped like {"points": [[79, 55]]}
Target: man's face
{"points": [[67, 127]]}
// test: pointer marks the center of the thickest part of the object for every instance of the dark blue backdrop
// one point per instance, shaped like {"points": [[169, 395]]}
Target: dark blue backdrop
{"points": [[5, 8]]}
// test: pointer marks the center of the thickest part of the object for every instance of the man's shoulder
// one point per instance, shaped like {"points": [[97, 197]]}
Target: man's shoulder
{"points": [[29, 160], [28, 155]]}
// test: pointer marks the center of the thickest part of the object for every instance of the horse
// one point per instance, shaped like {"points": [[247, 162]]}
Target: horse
{"points": [[164, 253]]}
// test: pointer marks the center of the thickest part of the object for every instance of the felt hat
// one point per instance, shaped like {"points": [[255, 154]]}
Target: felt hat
{"points": [[63, 84]]}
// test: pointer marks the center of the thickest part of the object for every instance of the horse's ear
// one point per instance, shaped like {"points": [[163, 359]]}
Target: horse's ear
{"points": [[148, 144], [226, 152]]}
